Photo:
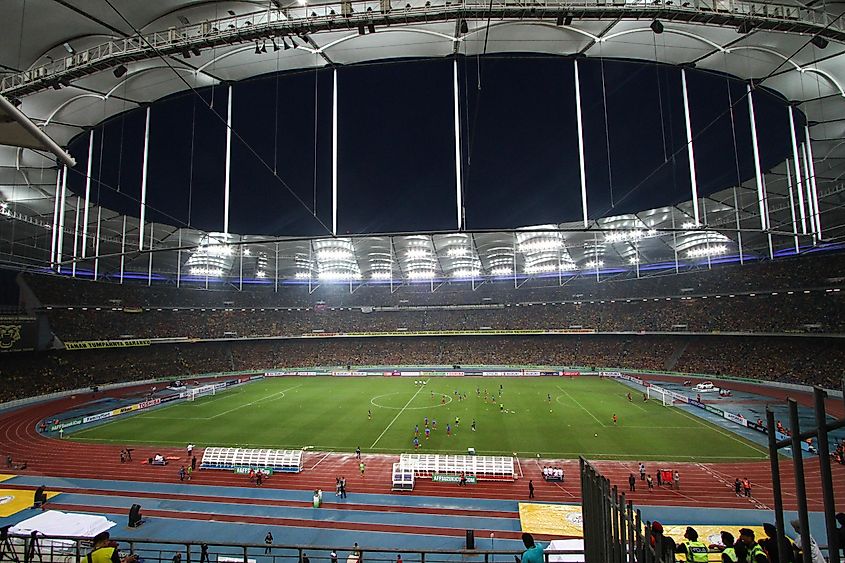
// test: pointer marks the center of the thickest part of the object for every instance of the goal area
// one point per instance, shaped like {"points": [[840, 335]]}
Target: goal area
{"points": [[665, 397], [196, 392]]}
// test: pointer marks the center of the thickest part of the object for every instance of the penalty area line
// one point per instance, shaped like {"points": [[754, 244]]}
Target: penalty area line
{"points": [[411, 400]]}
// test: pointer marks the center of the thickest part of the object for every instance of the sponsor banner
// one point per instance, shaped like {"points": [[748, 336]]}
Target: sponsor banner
{"points": [[254, 377], [610, 374], [286, 373], [246, 470], [65, 424], [531, 372], [444, 478], [218, 386], [571, 373], [349, 373], [96, 344], [172, 398], [96, 417], [502, 373], [695, 403], [453, 373], [150, 403], [757, 427], [451, 333], [410, 373], [124, 410], [714, 410], [737, 419]]}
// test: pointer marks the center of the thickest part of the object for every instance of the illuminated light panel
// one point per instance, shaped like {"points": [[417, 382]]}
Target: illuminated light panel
{"points": [[380, 275], [501, 271], [713, 250], [421, 275]]}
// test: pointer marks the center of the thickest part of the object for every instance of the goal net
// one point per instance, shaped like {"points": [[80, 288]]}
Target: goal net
{"points": [[193, 394], [661, 395]]}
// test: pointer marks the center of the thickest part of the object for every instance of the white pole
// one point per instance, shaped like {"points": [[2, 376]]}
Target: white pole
{"points": [[54, 232], [60, 240], [690, 151], [241, 267], [582, 167], [798, 182], [458, 181], [122, 249], [97, 244], [816, 209], [675, 242], [792, 207], [87, 195], [228, 164], [75, 238], [144, 182], [761, 190], [334, 153], [276, 283], [808, 187]]}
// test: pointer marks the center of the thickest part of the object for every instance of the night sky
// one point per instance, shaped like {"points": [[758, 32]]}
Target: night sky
{"points": [[396, 146]]}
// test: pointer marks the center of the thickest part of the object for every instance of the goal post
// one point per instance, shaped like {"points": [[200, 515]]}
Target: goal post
{"points": [[661, 395], [193, 394]]}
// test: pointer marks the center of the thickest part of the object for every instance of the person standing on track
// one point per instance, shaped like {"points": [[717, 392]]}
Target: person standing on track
{"points": [[268, 541], [357, 452], [362, 467], [642, 472], [632, 483], [530, 488]]}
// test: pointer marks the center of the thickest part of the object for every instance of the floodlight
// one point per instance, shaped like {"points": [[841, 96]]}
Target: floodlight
{"points": [[119, 71], [196, 51], [657, 27], [184, 20], [464, 27], [68, 48]]}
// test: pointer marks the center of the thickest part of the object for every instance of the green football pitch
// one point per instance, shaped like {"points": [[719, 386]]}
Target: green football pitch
{"points": [[555, 417]]}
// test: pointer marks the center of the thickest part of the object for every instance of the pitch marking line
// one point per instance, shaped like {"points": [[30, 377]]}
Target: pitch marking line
{"points": [[581, 406], [282, 392], [723, 433], [411, 400]]}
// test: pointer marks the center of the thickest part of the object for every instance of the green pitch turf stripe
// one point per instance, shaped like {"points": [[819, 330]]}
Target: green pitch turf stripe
{"points": [[574, 400]]}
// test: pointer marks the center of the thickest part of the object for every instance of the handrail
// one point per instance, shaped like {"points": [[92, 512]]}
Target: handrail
{"points": [[348, 14]]}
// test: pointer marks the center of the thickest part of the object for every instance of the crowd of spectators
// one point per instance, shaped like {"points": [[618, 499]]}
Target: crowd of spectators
{"points": [[818, 311], [795, 359]]}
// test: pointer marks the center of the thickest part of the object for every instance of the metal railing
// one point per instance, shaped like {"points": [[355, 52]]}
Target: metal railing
{"points": [[44, 549], [347, 14]]}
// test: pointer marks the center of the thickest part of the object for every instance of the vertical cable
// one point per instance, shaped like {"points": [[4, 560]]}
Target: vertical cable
{"points": [[228, 164], [87, 194], [738, 228], [97, 243], [809, 192], [122, 249], [150, 263], [179, 261], [582, 167], [144, 181], [458, 182], [334, 152], [690, 151]]}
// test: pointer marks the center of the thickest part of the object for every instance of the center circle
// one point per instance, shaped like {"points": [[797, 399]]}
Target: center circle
{"points": [[375, 402]]}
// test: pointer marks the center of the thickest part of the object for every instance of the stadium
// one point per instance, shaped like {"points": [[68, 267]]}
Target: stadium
{"points": [[434, 280]]}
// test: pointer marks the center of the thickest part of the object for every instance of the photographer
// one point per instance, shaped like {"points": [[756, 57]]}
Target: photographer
{"points": [[105, 551]]}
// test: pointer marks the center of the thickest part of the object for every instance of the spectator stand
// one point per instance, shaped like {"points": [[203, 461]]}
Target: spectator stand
{"points": [[232, 459], [403, 478], [484, 468]]}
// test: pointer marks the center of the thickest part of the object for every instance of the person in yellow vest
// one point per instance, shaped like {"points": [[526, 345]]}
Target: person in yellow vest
{"points": [[105, 551], [755, 552], [729, 554], [694, 550]]}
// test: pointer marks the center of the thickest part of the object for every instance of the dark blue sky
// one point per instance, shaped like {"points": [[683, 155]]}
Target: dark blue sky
{"points": [[396, 146]]}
